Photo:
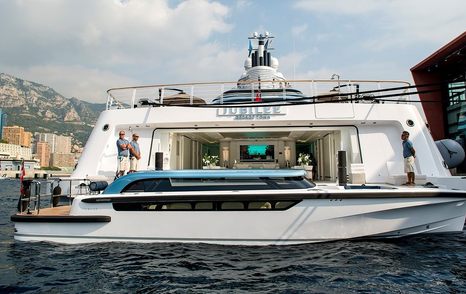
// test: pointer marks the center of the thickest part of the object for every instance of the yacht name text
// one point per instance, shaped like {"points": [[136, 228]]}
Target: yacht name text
{"points": [[250, 113]]}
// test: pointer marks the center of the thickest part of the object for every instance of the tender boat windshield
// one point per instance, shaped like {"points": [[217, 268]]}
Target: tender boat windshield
{"points": [[217, 184]]}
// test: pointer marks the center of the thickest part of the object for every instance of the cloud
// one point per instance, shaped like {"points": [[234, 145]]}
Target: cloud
{"points": [[95, 41], [290, 63], [77, 81], [297, 31], [210, 62], [243, 4], [398, 22], [338, 7]]}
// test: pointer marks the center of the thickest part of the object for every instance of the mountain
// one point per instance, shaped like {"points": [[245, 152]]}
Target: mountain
{"points": [[39, 108]]}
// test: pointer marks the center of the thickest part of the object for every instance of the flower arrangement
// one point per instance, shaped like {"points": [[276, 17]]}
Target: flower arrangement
{"points": [[304, 159], [210, 159]]}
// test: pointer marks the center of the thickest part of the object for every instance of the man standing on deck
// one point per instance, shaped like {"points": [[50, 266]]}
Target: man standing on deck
{"points": [[409, 155], [135, 154], [124, 147]]}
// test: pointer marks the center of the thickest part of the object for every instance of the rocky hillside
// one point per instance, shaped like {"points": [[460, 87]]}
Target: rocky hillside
{"points": [[39, 108]]}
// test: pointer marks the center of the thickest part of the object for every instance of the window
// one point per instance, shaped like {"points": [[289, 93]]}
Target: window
{"points": [[149, 185], [205, 206], [456, 92], [260, 205], [176, 206], [284, 204], [232, 206], [217, 184]]}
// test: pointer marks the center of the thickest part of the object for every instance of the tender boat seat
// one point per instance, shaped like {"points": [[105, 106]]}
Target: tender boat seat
{"points": [[203, 205], [260, 205], [177, 206], [232, 205]]}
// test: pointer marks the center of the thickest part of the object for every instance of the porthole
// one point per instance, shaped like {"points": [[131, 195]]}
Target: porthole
{"points": [[410, 123], [105, 128]]}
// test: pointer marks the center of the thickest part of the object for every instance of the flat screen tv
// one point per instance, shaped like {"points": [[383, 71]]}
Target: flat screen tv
{"points": [[259, 153]]}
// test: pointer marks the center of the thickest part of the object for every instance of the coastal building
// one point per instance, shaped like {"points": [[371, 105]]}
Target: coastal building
{"points": [[57, 143], [62, 159], [15, 165], [441, 79], [3, 117], [47, 138], [43, 153], [13, 151], [62, 145], [17, 135], [26, 139], [13, 135]]}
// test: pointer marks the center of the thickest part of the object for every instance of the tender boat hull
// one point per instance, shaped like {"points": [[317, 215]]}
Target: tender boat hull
{"points": [[311, 220]]}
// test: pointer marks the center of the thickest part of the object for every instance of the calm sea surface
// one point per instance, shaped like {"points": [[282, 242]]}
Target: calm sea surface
{"points": [[415, 265]]}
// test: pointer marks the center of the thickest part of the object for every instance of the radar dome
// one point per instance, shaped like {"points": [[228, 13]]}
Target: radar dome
{"points": [[248, 63], [274, 62]]}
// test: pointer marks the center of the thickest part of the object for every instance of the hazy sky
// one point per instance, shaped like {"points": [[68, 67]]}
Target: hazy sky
{"points": [[82, 48]]}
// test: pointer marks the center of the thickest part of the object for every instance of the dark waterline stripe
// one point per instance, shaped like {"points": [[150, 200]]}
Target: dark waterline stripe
{"points": [[60, 219]]}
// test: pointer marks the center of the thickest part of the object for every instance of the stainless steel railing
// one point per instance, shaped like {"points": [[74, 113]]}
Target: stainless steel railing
{"points": [[52, 193], [205, 93]]}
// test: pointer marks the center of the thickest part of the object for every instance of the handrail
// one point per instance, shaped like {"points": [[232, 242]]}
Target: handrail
{"points": [[256, 82], [35, 192], [205, 93]]}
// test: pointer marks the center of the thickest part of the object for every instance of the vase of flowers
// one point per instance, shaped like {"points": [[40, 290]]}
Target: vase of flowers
{"points": [[304, 160], [210, 161]]}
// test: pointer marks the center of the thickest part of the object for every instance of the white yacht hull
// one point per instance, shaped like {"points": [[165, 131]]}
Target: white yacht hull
{"points": [[311, 220]]}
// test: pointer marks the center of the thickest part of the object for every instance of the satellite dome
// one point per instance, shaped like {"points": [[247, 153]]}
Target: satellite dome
{"points": [[248, 63], [274, 62]]}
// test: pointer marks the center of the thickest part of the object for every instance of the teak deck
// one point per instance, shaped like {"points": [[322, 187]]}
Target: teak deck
{"points": [[52, 211], [60, 214]]}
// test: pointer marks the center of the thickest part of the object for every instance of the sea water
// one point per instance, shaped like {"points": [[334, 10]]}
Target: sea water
{"points": [[423, 264]]}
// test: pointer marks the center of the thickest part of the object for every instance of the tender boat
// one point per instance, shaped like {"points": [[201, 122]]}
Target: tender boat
{"points": [[242, 207], [229, 163]]}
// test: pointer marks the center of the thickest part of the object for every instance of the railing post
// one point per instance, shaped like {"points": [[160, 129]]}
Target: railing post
{"points": [[350, 89], [28, 205], [252, 91], [38, 200], [191, 95], [311, 91], [133, 98], [222, 89], [109, 99], [409, 92], [162, 93]]}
